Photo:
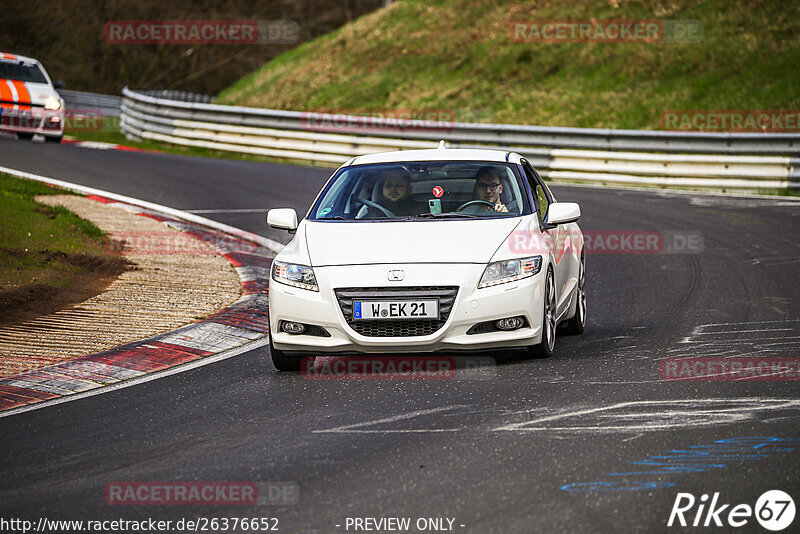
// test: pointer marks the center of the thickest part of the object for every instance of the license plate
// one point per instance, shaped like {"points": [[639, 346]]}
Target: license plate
{"points": [[17, 113], [396, 309]]}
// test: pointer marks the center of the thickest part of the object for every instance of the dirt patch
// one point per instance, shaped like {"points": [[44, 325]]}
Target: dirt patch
{"points": [[92, 275]]}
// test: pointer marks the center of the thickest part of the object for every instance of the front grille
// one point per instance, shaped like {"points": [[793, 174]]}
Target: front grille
{"points": [[397, 327]]}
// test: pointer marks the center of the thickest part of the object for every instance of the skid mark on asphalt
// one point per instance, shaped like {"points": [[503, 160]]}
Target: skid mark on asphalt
{"points": [[635, 417]]}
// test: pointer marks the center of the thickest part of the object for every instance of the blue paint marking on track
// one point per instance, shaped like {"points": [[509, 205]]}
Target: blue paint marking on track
{"points": [[693, 459]]}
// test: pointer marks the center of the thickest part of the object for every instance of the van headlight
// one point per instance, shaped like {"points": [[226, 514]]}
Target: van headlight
{"points": [[293, 275], [501, 272], [52, 103]]}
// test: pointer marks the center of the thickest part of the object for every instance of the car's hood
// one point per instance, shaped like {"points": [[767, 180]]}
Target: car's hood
{"points": [[359, 243], [26, 92]]}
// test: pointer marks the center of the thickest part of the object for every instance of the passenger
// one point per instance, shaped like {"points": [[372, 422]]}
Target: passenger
{"points": [[396, 192], [488, 187]]}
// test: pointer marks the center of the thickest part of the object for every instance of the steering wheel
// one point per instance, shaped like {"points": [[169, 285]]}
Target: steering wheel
{"points": [[471, 202], [375, 205]]}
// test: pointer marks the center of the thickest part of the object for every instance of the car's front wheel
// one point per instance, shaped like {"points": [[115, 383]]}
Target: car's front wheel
{"points": [[283, 361], [545, 348]]}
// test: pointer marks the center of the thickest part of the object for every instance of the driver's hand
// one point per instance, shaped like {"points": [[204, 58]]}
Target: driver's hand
{"points": [[500, 207]]}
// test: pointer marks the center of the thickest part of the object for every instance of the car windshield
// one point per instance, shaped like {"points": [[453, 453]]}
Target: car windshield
{"points": [[423, 191], [21, 71]]}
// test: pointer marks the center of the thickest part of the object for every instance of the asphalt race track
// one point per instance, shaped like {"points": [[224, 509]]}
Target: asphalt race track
{"points": [[581, 442]]}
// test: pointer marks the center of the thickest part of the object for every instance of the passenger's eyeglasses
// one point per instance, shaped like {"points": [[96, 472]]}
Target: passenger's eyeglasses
{"points": [[487, 187]]}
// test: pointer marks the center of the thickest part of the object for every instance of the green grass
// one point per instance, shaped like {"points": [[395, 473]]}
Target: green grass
{"points": [[458, 56], [36, 241]]}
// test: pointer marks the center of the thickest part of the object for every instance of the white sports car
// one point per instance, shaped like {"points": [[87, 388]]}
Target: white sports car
{"points": [[427, 250], [29, 103]]}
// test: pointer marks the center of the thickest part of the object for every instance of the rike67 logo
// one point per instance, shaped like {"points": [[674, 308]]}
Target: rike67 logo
{"points": [[774, 511]]}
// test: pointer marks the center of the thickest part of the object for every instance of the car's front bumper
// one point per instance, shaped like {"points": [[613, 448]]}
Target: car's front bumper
{"points": [[35, 120], [471, 306]]}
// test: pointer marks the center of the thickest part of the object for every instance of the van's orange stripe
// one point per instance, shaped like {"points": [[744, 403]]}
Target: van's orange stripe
{"points": [[9, 56], [5, 94], [23, 96]]}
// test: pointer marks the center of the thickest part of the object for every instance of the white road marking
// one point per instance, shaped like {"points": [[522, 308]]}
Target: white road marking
{"points": [[742, 331], [241, 210], [675, 414], [355, 427], [708, 329]]}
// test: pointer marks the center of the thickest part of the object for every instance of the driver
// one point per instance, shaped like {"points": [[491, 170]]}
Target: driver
{"points": [[488, 187], [396, 190]]}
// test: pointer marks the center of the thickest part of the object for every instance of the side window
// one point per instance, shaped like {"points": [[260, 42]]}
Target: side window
{"points": [[540, 196], [541, 201]]}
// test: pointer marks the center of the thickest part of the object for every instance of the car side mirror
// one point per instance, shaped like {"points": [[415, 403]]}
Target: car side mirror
{"points": [[282, 219], [561, 213], [59, 84]]}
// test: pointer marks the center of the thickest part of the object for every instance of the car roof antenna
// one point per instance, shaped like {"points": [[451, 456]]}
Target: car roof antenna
{"points": [[442, 145]]}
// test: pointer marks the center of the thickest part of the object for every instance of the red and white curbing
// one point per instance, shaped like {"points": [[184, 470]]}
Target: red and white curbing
{"points": [[242, 326], [100, 145]]}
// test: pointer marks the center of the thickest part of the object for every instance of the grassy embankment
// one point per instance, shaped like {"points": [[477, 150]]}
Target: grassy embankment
{"points": [[49, 257], [459, 56]]}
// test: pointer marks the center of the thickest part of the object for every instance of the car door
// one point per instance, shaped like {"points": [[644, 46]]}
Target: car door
{"points": [[558, 238]]}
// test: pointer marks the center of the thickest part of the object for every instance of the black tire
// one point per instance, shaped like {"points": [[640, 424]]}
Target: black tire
{"points": [[545, 348], [24, 135], [285, 362], [576, 325], [50, 139]]}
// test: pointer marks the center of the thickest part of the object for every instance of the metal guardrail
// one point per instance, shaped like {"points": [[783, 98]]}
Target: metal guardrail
{"points": [[108, 105], [562, 154]]}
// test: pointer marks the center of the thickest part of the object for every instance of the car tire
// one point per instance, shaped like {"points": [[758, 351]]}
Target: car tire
{"points": [[283, 361], [576, 325], [545, 348], [50, 139], [24, 135]]}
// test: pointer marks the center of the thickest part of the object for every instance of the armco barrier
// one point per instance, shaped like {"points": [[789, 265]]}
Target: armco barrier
{"points": [[108, 105], [706, 160]]}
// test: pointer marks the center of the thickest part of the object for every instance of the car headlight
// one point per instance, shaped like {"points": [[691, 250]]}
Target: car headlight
{"points": [[294, 275], [52, 103], [501, 272]]}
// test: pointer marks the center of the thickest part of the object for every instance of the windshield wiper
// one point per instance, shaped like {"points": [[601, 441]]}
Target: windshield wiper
{"points": [[450, 215]]}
